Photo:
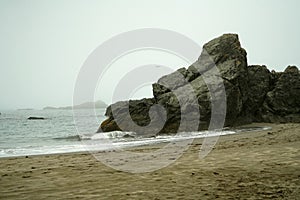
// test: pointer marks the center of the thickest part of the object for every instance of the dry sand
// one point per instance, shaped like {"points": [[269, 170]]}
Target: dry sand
{"points": [[252, 165]]}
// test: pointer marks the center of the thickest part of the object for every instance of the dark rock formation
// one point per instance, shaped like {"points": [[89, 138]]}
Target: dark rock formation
{"points": [[253, 94], [138, 109], [282, 103], [35, 118]]}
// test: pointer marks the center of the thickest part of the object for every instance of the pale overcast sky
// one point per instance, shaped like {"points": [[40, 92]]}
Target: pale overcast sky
{"points": [[43, 43]]}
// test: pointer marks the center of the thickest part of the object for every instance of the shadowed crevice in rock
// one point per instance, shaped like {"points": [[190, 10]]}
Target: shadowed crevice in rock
{"points": [[253, 93]]}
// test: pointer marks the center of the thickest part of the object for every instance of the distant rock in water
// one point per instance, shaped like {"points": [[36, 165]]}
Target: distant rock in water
{"points": [[253, 93], [36, 118], [86, 105]]}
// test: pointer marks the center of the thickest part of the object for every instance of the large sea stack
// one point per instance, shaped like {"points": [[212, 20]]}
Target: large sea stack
{"points": [[253, 94]]}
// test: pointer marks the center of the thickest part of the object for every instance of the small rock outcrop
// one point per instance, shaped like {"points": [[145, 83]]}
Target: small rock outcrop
{"points": [[252, 94], [35, 118]]}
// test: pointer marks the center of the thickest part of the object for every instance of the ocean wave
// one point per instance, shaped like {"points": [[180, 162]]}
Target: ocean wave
{"points": [[182, 135], [69, 137], [110, 135], [98, 136]]}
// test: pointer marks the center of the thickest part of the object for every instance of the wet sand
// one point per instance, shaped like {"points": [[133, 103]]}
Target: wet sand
{"points": [[250, 165]]}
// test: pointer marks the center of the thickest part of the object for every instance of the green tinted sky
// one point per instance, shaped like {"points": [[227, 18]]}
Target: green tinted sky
{"points": [[43, 43]]}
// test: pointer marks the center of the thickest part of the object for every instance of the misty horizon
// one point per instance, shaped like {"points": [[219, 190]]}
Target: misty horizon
{"points": [[44, 44]]}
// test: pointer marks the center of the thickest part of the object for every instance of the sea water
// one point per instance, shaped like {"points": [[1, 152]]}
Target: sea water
{"points": [[64, 131]]}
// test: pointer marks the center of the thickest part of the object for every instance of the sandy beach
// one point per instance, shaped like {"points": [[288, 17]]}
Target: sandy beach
{"points": [[250, 165]]}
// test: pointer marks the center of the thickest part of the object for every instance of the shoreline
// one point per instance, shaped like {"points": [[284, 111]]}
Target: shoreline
{"points": [[256, 127], [260, 164]]}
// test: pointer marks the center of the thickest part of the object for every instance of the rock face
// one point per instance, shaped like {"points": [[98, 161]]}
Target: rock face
{"points": [[282, 103], [219, 79]]}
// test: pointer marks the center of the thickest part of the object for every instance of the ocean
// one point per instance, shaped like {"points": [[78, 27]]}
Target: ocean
{"points": [[59, 133]]}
